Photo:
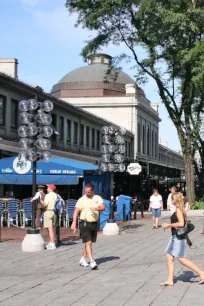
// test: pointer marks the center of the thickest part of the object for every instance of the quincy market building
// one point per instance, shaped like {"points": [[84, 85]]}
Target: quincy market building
{"points": [[84, 101]]}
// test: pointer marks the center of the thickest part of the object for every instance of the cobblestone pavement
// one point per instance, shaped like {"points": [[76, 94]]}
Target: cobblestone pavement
{"points": [[131, 266]]}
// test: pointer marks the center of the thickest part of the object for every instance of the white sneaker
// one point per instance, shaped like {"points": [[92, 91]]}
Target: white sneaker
{"points": [[93, 265], [83, 262], [50, 246]]}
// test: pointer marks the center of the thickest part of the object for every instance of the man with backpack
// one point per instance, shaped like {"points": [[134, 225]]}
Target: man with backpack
{"points": [[49, 205], [40, 195]]}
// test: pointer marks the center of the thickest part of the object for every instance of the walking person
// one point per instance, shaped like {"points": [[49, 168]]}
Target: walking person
{"points": [[170, 205], [89, 207], [49, 214], [40, 195], [177, 246], [156, 204]]}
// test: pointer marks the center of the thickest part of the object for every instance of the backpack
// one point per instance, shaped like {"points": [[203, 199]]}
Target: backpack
{"points": [[59, 205]]}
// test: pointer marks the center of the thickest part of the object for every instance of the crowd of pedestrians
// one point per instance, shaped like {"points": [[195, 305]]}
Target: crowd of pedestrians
{"points": [[87, 209]]}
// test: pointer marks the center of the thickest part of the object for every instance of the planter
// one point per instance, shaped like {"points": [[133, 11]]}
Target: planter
{"points": [[191, 213]]}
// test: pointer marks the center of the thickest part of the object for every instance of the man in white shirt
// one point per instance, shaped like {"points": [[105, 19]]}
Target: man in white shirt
{"points": [[49, 215], [89, 207], [170, 206], [156, 204]]}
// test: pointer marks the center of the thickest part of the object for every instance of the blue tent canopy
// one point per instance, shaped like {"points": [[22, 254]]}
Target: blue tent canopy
{"points": [[59, 171]]}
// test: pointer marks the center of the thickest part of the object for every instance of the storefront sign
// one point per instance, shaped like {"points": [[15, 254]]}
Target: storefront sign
{"points": [[134, 168], [21, 166]]}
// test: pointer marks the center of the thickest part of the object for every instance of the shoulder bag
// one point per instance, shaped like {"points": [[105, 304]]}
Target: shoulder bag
{"points": [[181, 232]]}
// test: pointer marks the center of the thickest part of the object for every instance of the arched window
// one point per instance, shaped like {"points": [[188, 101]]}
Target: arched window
{"points": [[152, 144], [148, 141], [138, 138], [143, 140], [156, 144]]}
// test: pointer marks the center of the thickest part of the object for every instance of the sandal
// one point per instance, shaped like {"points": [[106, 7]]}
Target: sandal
{"points": [[165, 284], [201, 282]]}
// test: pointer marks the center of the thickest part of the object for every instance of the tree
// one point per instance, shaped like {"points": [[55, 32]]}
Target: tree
{"points": [[171, 33]]}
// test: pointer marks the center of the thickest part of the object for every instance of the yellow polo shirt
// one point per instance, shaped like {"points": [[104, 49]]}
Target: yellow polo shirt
{"points": [[84, 204]]}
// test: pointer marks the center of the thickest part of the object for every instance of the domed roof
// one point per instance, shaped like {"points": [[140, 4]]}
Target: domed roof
{"points": [[96, 73]]}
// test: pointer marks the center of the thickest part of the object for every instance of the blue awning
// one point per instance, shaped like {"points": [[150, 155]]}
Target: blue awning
{"points": [[59, 171]]}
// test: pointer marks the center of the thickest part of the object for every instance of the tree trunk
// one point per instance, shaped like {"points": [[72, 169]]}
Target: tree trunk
{"points": [[190, 177]]}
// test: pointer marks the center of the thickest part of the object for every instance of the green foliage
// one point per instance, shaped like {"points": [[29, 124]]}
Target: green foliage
{"points": [[197, 205], [171, 33]]}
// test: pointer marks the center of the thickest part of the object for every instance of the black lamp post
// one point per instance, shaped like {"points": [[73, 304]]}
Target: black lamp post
{"points": [[35, 132], [112, 150]]}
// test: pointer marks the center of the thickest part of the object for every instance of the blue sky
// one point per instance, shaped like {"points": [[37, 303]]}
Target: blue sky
{"points": [[42, 36]]}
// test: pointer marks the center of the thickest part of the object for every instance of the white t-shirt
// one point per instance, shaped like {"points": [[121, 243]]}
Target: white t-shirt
{"points": [[171, 207], [156, 201]]}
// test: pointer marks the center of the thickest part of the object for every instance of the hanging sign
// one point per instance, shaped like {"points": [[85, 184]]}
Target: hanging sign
{"points": [[134, 168]]}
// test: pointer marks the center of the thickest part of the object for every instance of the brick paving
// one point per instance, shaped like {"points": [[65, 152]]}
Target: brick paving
{"points": [[131, 266]]}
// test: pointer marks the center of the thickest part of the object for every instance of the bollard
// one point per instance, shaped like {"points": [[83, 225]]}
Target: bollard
{"points": [[112, 209], [142, 209], [124, 213], [110, 217], [58, 229], [135, 210]]}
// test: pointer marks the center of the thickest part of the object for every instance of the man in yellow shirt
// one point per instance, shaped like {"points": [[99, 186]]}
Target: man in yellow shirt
{"points": [[89, 207]]}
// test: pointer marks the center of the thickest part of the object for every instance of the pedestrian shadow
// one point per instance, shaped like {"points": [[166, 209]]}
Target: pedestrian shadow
{"points": [[130, 227], [106, 259], [186, 277]]}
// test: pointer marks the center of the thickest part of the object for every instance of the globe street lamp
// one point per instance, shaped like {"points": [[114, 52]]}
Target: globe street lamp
{"points": [[113, 150], [35, 144], [112, 159]]}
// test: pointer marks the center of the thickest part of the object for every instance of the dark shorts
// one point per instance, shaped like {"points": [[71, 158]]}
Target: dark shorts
{"points": [[88, 231]]}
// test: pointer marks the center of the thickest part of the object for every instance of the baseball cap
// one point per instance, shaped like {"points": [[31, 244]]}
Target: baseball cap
{"points": [[40, 186], [52, 186]]}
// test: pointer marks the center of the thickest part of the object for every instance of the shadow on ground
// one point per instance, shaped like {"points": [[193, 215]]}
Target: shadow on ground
{"points": [[106, 259], [186, 277], [130, 227]]}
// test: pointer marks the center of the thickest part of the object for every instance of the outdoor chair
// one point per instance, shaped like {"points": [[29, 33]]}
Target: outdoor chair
{"points": [[1, 212], [12, 210], [27, 211], [70, 211]]}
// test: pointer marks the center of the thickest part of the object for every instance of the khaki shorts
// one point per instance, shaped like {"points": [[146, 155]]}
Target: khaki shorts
{"points": [[49, 219]]}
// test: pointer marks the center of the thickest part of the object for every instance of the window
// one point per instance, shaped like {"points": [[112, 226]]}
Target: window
{"points": [[97, 59], [14, 114], [87, 137], [2, 110], [138, 138], [148, 141], [81, 135], [143, 140], [54, 124], [75, 132], [61, 128], [69, 130], [129, 149], [153, 144], [93, 139], [98, 141]]}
